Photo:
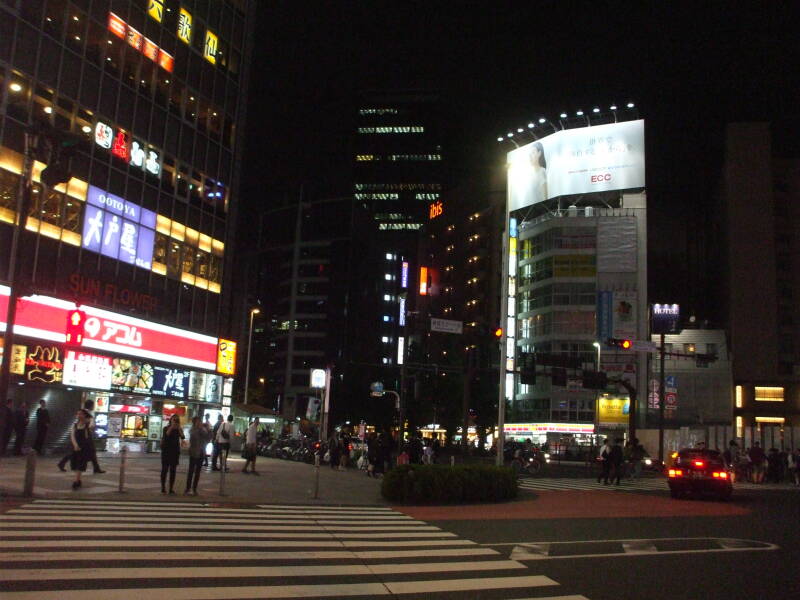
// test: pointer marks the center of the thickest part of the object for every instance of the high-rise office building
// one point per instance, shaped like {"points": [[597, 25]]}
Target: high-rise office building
{"points": [[757, 262], [399, 170], [141, 102]]}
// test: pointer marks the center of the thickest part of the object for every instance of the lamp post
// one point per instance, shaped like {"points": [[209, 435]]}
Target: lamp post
{"points": [[253, 313], [597, 392]]}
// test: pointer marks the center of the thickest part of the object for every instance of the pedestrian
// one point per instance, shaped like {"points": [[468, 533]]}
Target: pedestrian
{"points": [[372, 454], [616, 462], [8, 425], [344, 451], [81, 439], [207, 425], [199, 435], [605, 450], [250, 444], [774, 466], [170, 452], [427, 453], [334, 450], [637, 456], [796, 466], [42, 425], [215, 443], [223, 437], [757, 459], [20, 427]]}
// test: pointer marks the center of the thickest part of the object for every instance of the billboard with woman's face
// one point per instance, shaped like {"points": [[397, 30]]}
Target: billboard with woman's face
{"points": [[600, 158]]}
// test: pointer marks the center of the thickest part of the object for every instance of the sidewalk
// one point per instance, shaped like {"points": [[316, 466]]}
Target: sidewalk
{"points": [[279, 482]]}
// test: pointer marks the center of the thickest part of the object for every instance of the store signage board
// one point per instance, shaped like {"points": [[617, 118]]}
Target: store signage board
{"points": [[131, 376], [43, 318], [170, 383], [526, 428], [317, 378], [43, 364], [118, 229], [121, 29], [205, 387], [82, 369], [447, 326], [129, 408], [226, 357]]}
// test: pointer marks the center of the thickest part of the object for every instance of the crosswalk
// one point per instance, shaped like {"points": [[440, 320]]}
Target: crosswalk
{"points": [[96, 550], [648, 484]]}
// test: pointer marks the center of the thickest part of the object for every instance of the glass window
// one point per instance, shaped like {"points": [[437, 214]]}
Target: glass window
{"points": [[76, 28], [174, 259], [187, 260], [9, 184], [769, 394]]}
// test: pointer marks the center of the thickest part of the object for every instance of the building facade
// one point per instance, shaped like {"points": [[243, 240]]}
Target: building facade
{"points": [[758, 255], [576, 264], [142, 104]]}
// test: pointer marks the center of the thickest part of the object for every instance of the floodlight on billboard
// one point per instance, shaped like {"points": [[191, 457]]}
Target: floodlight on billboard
{"points": [[577, 161]]}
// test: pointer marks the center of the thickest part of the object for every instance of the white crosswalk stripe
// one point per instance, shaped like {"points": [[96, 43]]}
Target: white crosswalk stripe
{"points": [[648, 484], [91, 550]]}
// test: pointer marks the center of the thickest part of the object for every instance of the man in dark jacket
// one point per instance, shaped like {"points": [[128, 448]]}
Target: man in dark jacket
{"points": [[42, 425], [615, 461]]}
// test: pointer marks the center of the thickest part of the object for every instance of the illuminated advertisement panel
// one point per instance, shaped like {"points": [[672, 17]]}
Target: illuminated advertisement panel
{"points": [[44, 318], [118, 229], [600, 158], [82, 369]]}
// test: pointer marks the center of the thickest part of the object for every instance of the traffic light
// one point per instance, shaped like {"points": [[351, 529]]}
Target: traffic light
{"points": [[558, 376], [63, 147], [527, 368], [76, 319], [619, 343], [595, 380], [498, 333]]}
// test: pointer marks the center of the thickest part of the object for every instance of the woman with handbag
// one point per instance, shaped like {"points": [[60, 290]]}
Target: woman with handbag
{"points": [[81, 438], [170, 452], [199, 435]]}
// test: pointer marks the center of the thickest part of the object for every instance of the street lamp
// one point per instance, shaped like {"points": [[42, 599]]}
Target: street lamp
{"points": [[253, 313], [597, 392]]}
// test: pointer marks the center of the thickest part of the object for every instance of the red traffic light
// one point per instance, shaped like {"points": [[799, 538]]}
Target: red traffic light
{"points": [[620, 343], [498, 333], [76, 319]]}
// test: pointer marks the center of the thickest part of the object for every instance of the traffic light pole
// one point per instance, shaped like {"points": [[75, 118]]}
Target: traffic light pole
{"points": [[661, 402], [23, 208]]}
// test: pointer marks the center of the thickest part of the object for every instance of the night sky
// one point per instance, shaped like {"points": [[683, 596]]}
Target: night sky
{"points": [[689, 67]]}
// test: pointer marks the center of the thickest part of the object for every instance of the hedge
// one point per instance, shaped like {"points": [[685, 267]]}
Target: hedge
{"points": [[441, 484]]}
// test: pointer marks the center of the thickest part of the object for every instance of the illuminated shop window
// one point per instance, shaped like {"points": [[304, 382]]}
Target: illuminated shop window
{"points": [[769, 394]]}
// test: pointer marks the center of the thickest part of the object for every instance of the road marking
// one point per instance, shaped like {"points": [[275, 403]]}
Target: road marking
{"points": [[257, 571], [206, 512], [203, 525], [460, 585], [278, 555], [238, 534], [236, 543], [205, 521], [628, 547], [176, 506]]}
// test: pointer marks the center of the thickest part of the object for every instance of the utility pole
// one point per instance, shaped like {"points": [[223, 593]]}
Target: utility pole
{"points": [[661, 402], [32, 137]]}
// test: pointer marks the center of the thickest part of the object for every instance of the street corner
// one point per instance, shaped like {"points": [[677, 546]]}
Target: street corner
{"points": [[577, 505]]}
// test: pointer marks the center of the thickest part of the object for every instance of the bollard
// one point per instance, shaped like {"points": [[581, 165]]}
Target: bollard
{"points": [[223, 466], [30, 474], [452, 460], [316, 476], [123, 464]]}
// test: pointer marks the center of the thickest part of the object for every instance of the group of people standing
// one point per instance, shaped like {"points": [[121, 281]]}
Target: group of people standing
{"points": [[757, 466], [16, 421], [613, 458]]}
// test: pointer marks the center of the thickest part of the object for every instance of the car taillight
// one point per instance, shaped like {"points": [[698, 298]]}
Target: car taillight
{"points": [[720, 475], [675, 473], [699, 463]]}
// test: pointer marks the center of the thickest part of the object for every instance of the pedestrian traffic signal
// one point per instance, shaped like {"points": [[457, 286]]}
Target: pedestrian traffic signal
{"points": [[558, 376], [76, 319], [595, 380], [619, 343]]}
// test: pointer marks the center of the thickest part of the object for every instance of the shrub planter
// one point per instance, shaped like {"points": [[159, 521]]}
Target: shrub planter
{"points": [[440, 484]]}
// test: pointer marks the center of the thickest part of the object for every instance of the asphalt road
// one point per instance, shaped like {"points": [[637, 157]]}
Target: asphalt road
{"points": [[584, 542], [702, 561]]}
